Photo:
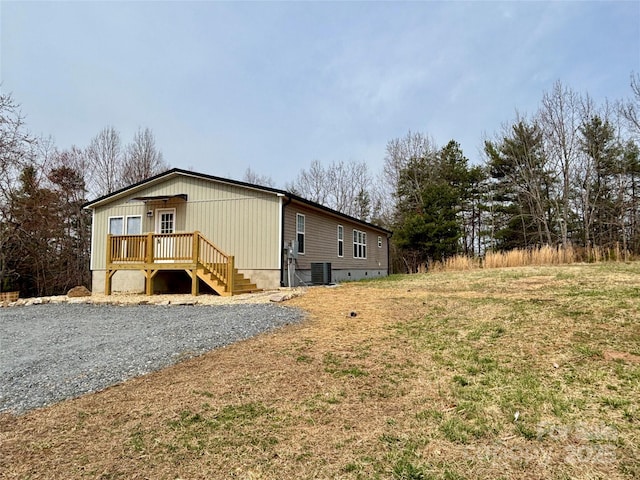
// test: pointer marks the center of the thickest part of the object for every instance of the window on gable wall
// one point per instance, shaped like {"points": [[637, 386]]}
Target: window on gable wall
{"points": [[300, 232], [129, 225], [116, 225], [359, 244], [134, 225]]}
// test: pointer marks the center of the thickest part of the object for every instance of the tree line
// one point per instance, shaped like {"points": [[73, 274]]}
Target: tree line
{"points": [[567, 175], [44, 231]]}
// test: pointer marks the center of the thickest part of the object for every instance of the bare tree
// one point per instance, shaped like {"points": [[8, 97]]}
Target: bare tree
{"points": [[142, 158], [16, 145], [348, 185], [76, 159], [311, 184], [560, 118], [17, 151], [583, 177], [400, 151], [106, 158], [342, 186], [404, 159], [254, 178], [631, 109]]}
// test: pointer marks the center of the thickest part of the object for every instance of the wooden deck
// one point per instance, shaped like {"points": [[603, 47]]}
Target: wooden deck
{"points": [[190, 252]]}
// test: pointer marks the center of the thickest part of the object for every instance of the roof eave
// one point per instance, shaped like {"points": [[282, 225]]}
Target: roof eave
{"points": [[174, 172], [336, 213]]}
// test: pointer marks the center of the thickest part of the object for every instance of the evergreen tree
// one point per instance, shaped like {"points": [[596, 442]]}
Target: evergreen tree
{"points": [[74, 243], [35, 223], [602, 206], [48, 246], [430, 193], [522, 188]]}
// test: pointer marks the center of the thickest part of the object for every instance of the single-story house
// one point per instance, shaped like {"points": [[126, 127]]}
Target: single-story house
{"points": [[182, 231]]}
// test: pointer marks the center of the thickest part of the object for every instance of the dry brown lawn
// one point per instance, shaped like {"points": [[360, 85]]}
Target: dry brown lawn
{"points": [[513, 373]]}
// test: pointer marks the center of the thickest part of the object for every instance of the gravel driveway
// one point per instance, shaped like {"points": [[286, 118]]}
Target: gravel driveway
{"points": [[49, 353]]}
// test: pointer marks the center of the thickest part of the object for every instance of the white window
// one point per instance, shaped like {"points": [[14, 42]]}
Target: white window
{"points": [[134, 225], [129, 225], [340, 241], [300, 232], [379, 241], [116, 225], [359, 244]]}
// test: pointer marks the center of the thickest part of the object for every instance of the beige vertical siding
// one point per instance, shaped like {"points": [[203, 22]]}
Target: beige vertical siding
{"points": [[241, 221], [321, 240]]}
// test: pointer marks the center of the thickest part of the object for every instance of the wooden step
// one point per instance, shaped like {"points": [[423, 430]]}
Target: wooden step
{"points": [[241, 284]]}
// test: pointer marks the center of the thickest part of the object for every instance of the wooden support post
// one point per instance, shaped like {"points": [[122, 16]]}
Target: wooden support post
{"points": [[107, 282], [148, 274], [148, 257], [108, 273], [109, 248], [195, 255], [230, 274], [194, 282], [195, 249]]}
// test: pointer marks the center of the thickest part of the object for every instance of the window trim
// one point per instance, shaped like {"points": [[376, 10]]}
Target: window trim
{"points": [[340, 241], [125, 224], [301, 251], [113, 217], [379, 241], [359, 244], [158, 224]]}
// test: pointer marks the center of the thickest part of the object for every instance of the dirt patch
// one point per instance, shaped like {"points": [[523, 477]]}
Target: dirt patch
{"points": [[624, 356]]}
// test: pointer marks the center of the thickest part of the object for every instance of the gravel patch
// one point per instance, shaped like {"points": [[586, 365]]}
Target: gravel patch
{"points": [[49, 353]]}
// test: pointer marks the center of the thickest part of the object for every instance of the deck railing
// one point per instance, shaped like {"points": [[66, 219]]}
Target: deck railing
{"points": [[159, 251], [215, 261]]}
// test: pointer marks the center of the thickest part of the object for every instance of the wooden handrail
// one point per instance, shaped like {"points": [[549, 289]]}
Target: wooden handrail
{"points": [[216, 261]]}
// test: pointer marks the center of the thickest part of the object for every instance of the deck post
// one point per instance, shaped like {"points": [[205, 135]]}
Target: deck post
{"points": [[195, 249], [230, 274], [148, 257], [194, 282], [108, 273], [149, 285], [195, 255], [109, 247]]}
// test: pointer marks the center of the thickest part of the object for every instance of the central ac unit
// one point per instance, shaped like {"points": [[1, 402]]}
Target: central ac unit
{"points": [[321, 273]]}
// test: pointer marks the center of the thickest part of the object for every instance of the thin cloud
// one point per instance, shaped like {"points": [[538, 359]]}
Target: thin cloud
{"points": [[272, 86]]}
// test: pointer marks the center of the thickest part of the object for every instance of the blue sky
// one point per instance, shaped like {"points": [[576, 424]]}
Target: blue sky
{"points": [[275, 85]]}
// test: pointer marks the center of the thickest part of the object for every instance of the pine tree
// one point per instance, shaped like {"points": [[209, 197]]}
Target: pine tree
{"points": [[522, 188], [431, 192]]}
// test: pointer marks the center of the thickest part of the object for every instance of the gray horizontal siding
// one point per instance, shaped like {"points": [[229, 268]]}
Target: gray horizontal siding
{"points": [[321, 240]]}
